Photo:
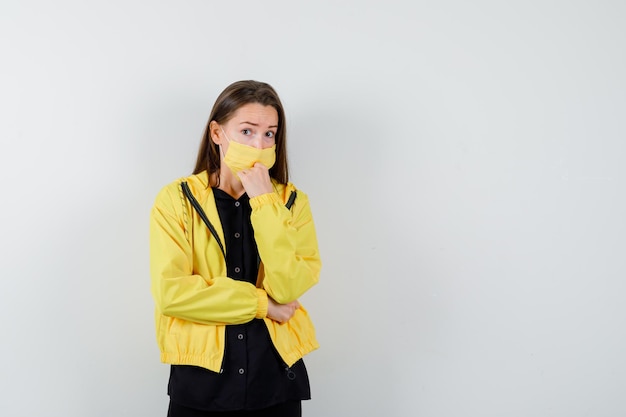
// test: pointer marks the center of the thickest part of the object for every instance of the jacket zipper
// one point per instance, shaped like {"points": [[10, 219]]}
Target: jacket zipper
{"points": [[203, 216]]}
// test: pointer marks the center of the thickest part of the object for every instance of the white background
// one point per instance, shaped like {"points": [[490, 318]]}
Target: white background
{"points": [[464, 162]]}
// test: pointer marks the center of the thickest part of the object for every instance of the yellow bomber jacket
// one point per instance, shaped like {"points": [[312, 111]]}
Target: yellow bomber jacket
{"points": [[195, 299]]}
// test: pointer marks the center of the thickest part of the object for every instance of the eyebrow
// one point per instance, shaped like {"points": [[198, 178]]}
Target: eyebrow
{"points": [[256, 124]]}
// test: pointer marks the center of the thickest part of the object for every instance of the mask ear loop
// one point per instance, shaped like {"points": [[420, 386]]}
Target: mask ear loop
{"points": [[220, 145], [225, 135]]}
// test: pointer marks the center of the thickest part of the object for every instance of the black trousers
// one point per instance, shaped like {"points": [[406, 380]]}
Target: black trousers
{"points": [[288, 409]]}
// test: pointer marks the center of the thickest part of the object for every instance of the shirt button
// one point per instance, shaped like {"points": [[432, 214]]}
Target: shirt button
{"points": [[241, 371], [237, 235], [237, 203], [240, 336], [237, 269]]}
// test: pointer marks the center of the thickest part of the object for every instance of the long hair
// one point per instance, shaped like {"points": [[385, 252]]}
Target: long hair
{"points": [[229, 101]]}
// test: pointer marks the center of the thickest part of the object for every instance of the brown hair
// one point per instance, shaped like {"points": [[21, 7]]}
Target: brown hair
{"points": [[229, 101]]}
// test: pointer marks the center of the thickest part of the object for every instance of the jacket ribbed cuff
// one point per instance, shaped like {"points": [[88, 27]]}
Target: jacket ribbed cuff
{"points": [[261, 311], [267, 198]]}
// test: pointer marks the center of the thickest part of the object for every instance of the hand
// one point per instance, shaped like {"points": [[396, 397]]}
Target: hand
{"points": [[256, 180], [281, 312]]}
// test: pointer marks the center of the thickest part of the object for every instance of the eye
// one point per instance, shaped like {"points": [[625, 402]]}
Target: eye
{"points": [[246, 131], [270, 134]]}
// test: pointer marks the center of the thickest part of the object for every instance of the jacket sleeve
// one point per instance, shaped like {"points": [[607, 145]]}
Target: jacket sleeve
{"points": [[180, 293], [287, 245]]}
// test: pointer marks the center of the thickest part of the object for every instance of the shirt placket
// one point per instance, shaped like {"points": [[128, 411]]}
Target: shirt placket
{"points": [[238, 337]]}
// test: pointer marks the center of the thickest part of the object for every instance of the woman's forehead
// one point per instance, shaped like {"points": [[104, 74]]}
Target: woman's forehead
{"points": [[256, 114]]}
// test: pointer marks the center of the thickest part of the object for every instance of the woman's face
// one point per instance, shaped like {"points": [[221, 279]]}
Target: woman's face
{"points": [[253, 124]]}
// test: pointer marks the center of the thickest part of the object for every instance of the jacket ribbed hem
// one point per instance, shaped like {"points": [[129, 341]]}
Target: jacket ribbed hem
{"points": [[214, 364], [292, 357]]}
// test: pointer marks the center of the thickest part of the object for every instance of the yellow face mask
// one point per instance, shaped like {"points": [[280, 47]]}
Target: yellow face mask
{"points": [[240, 157]]}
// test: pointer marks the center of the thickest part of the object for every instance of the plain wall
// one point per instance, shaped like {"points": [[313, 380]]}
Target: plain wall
{"points": [[464, 162]]}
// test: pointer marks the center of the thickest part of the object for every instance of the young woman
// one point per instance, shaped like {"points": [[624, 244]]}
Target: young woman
{"points": [[232, 248]]}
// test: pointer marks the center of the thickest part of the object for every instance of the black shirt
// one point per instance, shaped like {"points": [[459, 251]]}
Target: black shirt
{"points": [[253, 374]]}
